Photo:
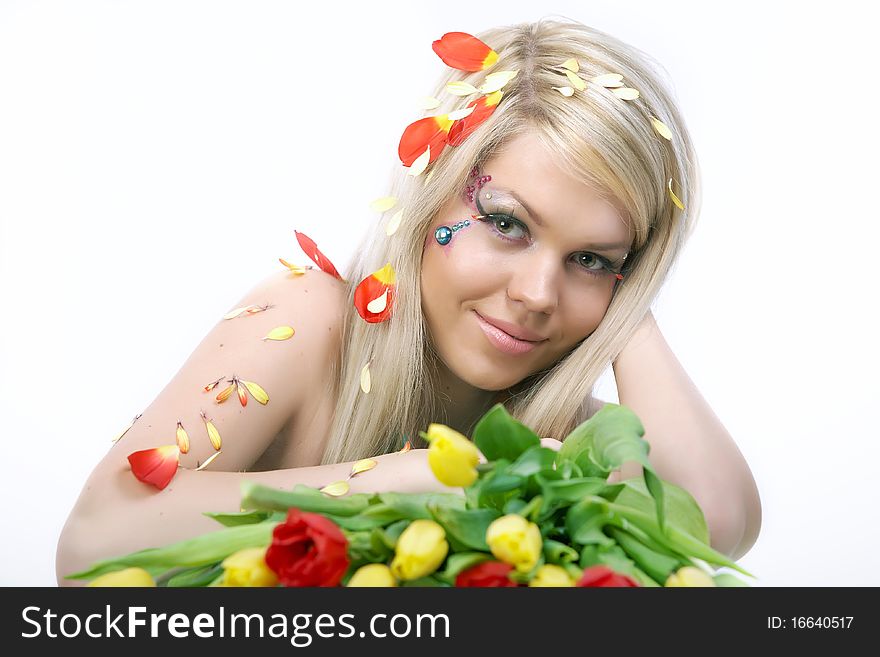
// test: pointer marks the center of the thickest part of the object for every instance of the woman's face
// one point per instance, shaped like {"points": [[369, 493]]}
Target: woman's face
{"points": [[545, 278]]}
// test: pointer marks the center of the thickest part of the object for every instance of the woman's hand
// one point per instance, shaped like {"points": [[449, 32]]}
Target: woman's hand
{"points": [[417, 477]]}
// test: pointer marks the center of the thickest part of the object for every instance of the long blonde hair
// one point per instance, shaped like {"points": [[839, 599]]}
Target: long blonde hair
{"points": [[610, 144]]}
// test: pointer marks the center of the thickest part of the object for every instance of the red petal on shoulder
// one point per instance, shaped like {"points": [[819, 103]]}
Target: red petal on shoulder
{"points": [[311, 249], [156, 466], [464, 51]]}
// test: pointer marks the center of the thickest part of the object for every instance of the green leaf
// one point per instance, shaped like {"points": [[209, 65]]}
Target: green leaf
{"points": [[424, 581], [415, 505], [498, 435], [461, 561], [610, 438], [377, 515], [199, 551], [658, 566], [467, 527], [533, 461], [682, 509], [559, 553], [726, 579], [257, 496], [616, 559], [584, 523], [244, 518], [201, 576]]}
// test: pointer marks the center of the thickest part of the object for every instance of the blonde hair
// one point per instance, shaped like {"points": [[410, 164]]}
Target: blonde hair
{"points": [[608, 142]]}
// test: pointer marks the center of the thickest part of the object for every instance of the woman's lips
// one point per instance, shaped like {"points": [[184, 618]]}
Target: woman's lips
{"points": [[504, 341]]}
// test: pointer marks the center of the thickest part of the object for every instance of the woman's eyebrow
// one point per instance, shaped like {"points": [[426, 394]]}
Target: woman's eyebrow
{"points": [[601, 246]]}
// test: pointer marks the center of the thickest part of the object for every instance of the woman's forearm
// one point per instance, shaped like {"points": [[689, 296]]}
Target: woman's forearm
{"points": [[120, 514], [689, 446]]}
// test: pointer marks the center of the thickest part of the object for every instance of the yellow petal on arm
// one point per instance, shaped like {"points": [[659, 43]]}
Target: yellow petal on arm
{"points": [[366, 383], [208, 461], [182, 438], [224, 395], [234, 313], [383, 204], [256, 391], [336, 489], [213, 434], [280, 333], [362, 466], [294, 269]]}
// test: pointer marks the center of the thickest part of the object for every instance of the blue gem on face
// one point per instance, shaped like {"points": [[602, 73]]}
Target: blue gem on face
{"points": [[443, 235]]}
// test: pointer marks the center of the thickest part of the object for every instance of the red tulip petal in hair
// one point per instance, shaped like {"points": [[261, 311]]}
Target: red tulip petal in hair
{"points": [[307, 550], [430, 131], [462, 128], [374, 296], [464, 51], [311, 249], [156, 466], [604, 576], [486, 574]]}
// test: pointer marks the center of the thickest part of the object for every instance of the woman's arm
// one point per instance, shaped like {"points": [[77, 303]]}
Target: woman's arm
{"points": [[689, 446], [116, 514]]}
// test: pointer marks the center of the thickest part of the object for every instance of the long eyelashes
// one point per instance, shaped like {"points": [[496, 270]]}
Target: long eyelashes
{"points": [[493, 219]]}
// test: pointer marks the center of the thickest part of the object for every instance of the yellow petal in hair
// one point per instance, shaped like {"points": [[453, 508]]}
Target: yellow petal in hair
{"points": [[383, 204], [256, 391], [661, 128], [366, 384], [429, 103], [571, 65], [336, 489], [576, 81], [496, 81], [565, 91], [394, 224], [280, 333], [608, 80], [182, 438], [675, 199], [462, 113], [460, 88], [626, 93], [420, 163]]}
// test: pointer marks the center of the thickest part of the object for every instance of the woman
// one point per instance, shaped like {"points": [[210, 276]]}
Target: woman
{"points": [[535, 221]]}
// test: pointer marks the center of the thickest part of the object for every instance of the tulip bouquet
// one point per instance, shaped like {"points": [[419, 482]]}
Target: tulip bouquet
{"points": [[529, 516]]}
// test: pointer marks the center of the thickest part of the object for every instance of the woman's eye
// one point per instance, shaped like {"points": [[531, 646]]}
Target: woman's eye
{"points": [[504, 224]]}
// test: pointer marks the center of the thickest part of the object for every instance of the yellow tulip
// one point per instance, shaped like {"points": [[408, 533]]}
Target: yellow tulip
{"points": [[373, 574], [420, 550], [452, 457], [127, 577], [551, 575], [248, 568], [516, 541], [689, 576]]}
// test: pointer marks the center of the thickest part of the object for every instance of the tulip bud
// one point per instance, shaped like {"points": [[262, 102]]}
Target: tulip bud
{"points": [[516, 541], [126, 577], [248, 567], [420, 550], [452, 457], [689, 576], [373, 574], [551, 575]]}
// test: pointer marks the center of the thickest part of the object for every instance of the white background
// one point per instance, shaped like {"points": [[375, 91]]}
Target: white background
{"points": [[156, 157]]}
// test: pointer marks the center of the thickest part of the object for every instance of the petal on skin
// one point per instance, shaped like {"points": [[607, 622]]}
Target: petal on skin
{"points": [[242, 394], [464, 52], [258, 393], [182, 438], [311, 249], [156, 466], [224, 394]]}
